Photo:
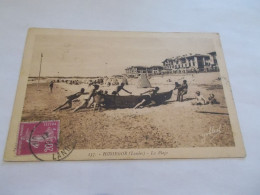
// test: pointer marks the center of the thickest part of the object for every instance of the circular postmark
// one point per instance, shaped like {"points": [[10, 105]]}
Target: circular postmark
{"points": [[44, 142]]}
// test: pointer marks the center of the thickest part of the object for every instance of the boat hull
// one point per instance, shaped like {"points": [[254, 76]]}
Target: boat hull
{"points": [[113, 101]]}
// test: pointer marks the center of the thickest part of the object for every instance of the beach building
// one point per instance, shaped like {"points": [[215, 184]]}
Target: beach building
{"points": [[155, 70], [136, 71], [213, 61], [188, 63], [191, 63]]}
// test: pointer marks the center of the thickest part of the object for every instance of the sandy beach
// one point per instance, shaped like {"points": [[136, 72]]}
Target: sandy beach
{"points": [[171, 125]]}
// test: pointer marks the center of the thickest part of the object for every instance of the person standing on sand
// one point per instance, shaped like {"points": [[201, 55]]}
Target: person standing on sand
{"points": [[184, 90], [70, 99], [178, 86], [148, 100], [119, 88], [51, 86], [85, 103]]}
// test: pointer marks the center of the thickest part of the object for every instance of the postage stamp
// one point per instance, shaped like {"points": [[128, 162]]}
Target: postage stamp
{"points": [[38, 137]]}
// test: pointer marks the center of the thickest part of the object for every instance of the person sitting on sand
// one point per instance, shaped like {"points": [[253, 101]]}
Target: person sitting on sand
{"points": [[119, 88], [148, 100], [200, 100], [179, 87], [70, 99], [184, 90], [212, 99], [85, 102]]}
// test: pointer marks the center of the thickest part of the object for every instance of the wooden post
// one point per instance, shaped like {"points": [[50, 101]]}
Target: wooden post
{"points": [[40, 70]]}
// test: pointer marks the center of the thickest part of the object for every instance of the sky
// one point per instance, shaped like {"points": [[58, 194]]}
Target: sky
{"points": [[100, 53]]}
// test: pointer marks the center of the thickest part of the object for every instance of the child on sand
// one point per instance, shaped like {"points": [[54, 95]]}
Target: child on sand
{"points": [[200, 100], [212, 99]]}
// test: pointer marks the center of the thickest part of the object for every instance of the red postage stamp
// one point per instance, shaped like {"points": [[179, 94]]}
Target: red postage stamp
{"points": [[38, 137]]}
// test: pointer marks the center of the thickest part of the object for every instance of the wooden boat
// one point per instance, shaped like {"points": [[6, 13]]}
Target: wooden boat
{"points": [[113, 101]]}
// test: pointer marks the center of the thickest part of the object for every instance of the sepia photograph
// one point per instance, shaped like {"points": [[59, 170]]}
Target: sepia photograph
{"points": [[98, 90], [129, 97]]}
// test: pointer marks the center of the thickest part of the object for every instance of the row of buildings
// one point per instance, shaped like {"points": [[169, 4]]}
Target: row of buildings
{"points": [[135, 71], [191, 63]]}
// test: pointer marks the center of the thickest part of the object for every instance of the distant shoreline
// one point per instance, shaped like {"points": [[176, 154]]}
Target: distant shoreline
{"points": [[81, 77], [61, 77]]}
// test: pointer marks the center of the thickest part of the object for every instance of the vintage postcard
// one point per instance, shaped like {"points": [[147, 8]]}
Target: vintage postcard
{"points": [[93, 95]]}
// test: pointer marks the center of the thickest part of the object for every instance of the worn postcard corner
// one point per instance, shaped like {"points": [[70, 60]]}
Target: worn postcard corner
{"points": [[93, 95]]}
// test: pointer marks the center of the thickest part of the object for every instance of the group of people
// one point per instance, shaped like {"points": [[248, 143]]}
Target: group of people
{"points": [[199, 99], [85, 98], [96, 97]]}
